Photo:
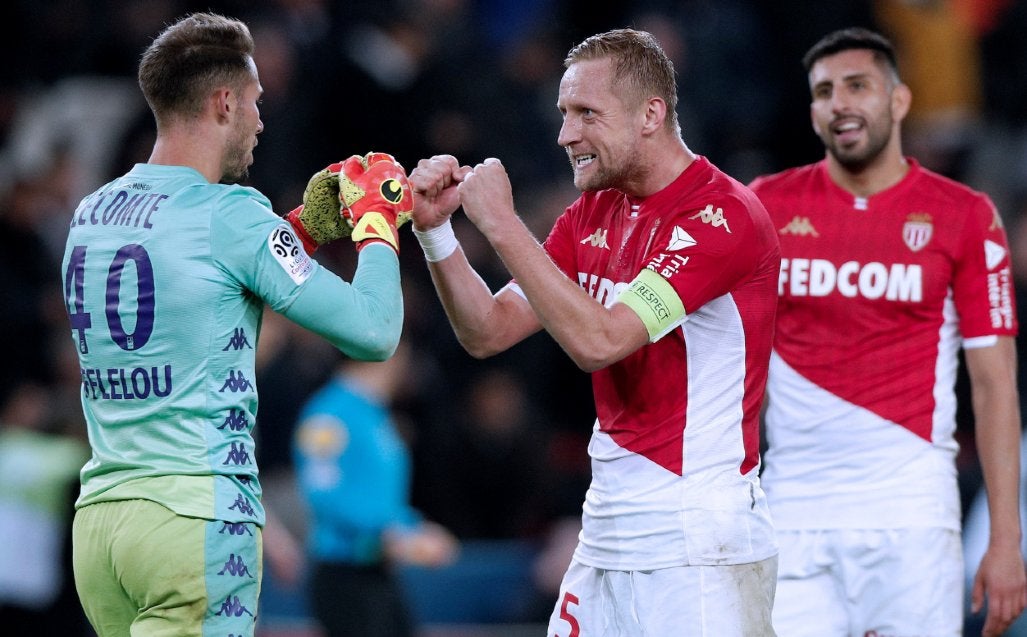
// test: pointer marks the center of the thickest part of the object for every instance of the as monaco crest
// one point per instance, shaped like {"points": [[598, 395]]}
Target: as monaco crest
{"points": [[917, 230]]}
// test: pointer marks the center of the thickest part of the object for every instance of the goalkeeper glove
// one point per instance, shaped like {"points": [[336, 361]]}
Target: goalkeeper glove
{"points": [[367, 198], [319, 219], [376, 198]]}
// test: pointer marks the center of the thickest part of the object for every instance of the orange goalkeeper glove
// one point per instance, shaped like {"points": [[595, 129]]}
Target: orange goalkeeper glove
{"points": [[376, 198], [366, 198]]}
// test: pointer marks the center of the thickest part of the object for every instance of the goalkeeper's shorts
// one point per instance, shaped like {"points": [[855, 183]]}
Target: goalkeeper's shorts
{"points": [[139, 565]]}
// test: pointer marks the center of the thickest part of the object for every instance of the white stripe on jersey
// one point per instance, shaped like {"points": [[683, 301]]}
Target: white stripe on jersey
{"points": [[832, 464]]}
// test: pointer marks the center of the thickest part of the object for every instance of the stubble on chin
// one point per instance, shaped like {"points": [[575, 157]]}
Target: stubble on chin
{"points": [[231, 180]]}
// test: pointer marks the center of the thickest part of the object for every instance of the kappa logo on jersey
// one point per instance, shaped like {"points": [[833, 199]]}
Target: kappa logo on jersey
{"points": [[993, 254], [238, 341], [597, 239], [288, 251], [800, 227], [712, 216], [679, 240], [235, 420], [236, 382], [996, 220], [238, 455], [917, 230]]}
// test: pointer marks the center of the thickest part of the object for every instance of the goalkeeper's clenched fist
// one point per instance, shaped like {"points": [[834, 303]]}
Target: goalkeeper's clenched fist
{"points": [[366, 198]]}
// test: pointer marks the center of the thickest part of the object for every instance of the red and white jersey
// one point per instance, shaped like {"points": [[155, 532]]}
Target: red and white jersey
{"points": [[675, 448], [877, 295]]}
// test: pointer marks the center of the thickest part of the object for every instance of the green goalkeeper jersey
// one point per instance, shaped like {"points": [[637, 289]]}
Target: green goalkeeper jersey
{"points": [[165, 280]]}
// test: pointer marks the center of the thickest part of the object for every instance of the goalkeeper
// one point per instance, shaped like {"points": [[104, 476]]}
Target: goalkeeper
{"points": [[166, 272]]}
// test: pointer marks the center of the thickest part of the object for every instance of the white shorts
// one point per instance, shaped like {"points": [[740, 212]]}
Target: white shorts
{"points": [[876, 583], [687, 601]]}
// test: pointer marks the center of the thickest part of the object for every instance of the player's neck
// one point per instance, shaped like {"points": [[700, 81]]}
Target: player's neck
{"points": [[665, 167], [880, 175], [181, 148]]}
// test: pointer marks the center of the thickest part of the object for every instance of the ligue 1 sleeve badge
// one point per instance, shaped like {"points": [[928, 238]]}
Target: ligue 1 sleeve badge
{"points": [[917, 231]]}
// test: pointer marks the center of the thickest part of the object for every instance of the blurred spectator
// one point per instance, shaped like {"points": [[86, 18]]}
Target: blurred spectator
{"points": [[938, 51], [493, 454], [39, 465], [28, 272], [795, 26]]}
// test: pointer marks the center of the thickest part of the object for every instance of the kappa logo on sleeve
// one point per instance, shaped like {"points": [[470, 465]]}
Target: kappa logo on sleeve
{"points": [[286, 248], [713, 216]]}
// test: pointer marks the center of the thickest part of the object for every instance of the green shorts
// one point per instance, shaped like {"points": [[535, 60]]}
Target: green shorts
{"points": [[142, 570]]}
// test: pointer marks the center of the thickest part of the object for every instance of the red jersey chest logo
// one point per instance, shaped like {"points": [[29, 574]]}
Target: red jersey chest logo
{"points": [[917, 231]]}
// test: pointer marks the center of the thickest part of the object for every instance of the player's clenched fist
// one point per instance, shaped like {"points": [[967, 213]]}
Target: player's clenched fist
{"points": [[487, 196], [366, 198], [434, 182]]}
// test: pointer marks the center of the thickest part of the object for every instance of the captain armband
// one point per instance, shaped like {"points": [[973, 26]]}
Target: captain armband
{"points": [[656, 302]]}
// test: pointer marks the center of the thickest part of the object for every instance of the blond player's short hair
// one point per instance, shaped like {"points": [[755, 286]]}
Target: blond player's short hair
{"points": [[640, 65]]}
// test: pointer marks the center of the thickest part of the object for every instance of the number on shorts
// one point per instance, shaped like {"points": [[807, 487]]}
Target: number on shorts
{"points": [[565, 614]]}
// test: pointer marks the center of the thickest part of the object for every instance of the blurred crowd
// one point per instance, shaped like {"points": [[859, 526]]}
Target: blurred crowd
{"points": [[499, 446]]}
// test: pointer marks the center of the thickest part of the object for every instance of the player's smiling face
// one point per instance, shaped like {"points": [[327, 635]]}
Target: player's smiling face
{"points": [[599, 130], [856, 106]]}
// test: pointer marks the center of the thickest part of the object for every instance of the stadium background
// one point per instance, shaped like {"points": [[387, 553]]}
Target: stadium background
{"points": [[499, 445]]}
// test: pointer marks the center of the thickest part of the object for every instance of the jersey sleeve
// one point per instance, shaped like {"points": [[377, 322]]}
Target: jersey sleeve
{"points": [[704, 252], [559, 248], [559, 244], [363, 319], [983, 280]]}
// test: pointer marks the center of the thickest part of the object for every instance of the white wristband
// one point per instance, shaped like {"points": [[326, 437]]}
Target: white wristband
{"points": [[438, 242]]}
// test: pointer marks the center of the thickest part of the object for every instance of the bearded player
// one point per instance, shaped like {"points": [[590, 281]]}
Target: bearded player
{"points": [[660, 281], [887, 270], [166, 273]]}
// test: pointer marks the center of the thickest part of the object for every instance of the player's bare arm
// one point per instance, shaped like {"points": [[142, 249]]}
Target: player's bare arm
{"points": [[592, 335], [484, 324], [1000, 579]]}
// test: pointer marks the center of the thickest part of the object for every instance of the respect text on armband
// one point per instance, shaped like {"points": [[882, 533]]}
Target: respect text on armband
{"points": [[126, 383], [651, 299], [119, 208]]}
